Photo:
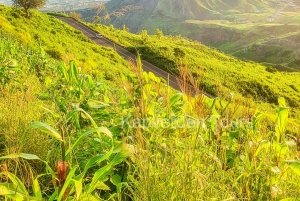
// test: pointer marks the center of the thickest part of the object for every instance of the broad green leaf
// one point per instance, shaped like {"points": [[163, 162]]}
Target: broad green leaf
{"points": [[121, 156], [102, 186], [21, 155], [20, 187], [257, 118], [54, 114], [77, 122], [294, 165], [37, 189], [74, 72], [4, 190], [89, 197], [99, 175], [262, 145], [46, 129], [54, 195], [115, 179], [95, 160], [281, 121], [10, 190], [71, 114], [78, 187], [281, 102], [64, 71], [67, 183], [90, 82], [146, 77], [96, 104], [175, 99], [281, 149], [87, 133], [153, 77]]}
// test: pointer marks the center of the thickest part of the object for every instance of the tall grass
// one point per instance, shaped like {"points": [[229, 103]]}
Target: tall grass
{"points": [[69, 135], [220, 73], [243, 160]]}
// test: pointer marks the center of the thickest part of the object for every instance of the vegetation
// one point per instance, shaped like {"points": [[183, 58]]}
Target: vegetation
{"points": [[32, 4], [220, 73], [275, 43], [76, 16], [261, 31], [60, 41], [70, 133], [35, 166]]}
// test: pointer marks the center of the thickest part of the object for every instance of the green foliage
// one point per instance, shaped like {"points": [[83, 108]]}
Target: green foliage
{"points": [[145, 36], [76, 16], [220, 73], [32, 4], [70, 134], [60, 41], [271, 69], [179, 53], [159, 33], [242, 28], [66, 88], [281, 121], [55, 54]]}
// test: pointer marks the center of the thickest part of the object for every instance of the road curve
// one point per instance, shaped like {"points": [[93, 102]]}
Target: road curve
{"points": [[148, 67]]}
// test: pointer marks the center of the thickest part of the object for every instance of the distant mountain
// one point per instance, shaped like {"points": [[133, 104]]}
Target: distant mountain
{"points": [[259, 30], [167, 11]]}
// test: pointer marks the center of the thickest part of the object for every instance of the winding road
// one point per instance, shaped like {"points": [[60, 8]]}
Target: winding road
{"points": [[148, 67]]}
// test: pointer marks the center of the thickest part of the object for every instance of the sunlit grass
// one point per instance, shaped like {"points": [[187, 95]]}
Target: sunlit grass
{"points": [[64, 134]]}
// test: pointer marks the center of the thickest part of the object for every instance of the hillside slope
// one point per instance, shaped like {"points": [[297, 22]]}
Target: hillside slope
{"points": [[165, 10], [70, 133], [220, 73], [59, 40], [260, 30]]}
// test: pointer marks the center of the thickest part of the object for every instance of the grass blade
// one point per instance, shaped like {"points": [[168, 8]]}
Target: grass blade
{"points": [[46, 129]]}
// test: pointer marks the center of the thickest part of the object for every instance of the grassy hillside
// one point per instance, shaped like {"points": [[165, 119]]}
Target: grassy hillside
{"points": [[162, 12], [220, 73], [261, 31], [70, 133], [276, 43], [59, 40]]}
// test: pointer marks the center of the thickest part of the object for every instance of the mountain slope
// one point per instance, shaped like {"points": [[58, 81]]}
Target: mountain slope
{"points": [[59, 40], [70, 135], [257, 30], [220, 73], [188, 10]]}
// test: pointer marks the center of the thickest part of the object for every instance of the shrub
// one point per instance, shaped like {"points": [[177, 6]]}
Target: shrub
{"points": [[55, 54], [271, 69]]}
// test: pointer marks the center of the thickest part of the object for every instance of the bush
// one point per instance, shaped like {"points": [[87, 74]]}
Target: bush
{"points": [[75, 16], [271, 69], [55, 54]]}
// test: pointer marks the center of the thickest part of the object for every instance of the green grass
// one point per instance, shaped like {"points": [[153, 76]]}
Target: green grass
{"points": [[220, 73], [59, 40], [239, 28], [53, 115]]}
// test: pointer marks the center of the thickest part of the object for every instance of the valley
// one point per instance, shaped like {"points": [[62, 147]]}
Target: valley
{"points": [[91, 111], [261, 31]]}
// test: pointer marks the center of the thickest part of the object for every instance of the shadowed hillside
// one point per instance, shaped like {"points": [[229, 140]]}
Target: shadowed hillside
{"points": [[257, 30], [167, 10]]}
